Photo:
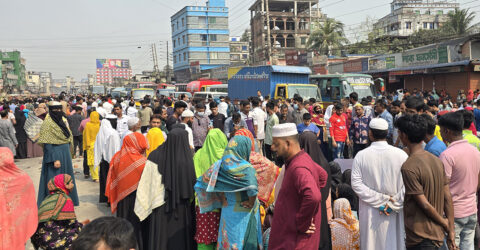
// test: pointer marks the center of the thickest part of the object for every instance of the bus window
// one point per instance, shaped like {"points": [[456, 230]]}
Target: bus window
{"points": [[281, 92], [335, 93]]}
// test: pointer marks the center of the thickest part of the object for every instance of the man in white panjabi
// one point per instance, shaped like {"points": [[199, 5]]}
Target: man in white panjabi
{"points": [[377, 180]]}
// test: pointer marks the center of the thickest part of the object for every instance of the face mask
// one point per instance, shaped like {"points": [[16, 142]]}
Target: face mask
{"points": [[201, 113], [189, 124], [295, 106]]}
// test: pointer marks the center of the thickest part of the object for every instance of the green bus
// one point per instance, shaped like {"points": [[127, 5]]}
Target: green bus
{"points": [[338, 86]]}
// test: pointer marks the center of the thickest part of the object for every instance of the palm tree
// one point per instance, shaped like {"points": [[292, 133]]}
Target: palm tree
{"points": [[327, 37], [459, 22]]}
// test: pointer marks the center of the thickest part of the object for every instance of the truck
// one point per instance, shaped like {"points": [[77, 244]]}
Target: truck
{"points": [[279, 82]]}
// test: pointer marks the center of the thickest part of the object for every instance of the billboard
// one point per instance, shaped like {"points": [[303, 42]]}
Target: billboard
{"points": [[113, 64]]}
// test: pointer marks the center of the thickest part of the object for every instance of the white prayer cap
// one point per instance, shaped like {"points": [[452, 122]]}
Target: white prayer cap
{"points": [[111, 116], [132, 122], [187, 113], [284, 130], [114, 101], [54, 103], [378, 124]]}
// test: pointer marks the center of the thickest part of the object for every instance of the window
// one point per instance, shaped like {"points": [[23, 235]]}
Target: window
{"points": [[183, 39], [204, 38], [174, 43], [179, 41], [432, 26], [427, 12], [213, 55], [439, 12], [244, 48], [184, 56], [303, 40], [213, 38], [408, 25], [183, 21], [425, 25], [212, 20], [417, 12], [173, 27], [244, 56], [175, 59]]}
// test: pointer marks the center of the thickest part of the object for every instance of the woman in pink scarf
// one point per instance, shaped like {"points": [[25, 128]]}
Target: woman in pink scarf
{"points": [[18, 206]]}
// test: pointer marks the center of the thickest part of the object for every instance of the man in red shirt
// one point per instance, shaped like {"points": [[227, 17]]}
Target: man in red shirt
{"points": [[338, 131], [297, 218]]}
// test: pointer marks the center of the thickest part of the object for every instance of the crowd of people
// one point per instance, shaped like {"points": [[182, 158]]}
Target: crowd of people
{"points": [[400, 171]]}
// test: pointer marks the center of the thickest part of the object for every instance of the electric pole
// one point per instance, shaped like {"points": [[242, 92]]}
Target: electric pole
{"points": [[169, 80], [155, 63]]}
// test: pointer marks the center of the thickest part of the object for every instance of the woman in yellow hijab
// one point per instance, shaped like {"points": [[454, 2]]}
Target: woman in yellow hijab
{"points": [[89, 136], [155, 138]]}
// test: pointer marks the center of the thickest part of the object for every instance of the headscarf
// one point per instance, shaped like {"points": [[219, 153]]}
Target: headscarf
{"points": [[18, 205], [91, 130], [175, 164], [344, 226], [58, 205], [155, 138], [126, 169], [233, 173], [52, 133], [267, 171], [247, 133], [41, 109], [103, 147], [211, 151], [19, 125], [57, 117]]}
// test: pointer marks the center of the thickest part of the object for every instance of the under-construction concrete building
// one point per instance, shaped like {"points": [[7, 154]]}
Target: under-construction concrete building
{"points": [[288, 28]]}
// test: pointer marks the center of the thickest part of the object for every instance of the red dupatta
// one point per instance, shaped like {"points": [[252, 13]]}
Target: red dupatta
{"points": [[126, 169], [18, 205]]}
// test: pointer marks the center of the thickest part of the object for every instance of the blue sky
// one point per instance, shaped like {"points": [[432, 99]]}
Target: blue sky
{"points": [[65, 37]]}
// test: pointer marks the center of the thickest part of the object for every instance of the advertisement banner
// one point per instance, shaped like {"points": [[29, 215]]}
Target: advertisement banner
{"points": [[385, 62], [425, 56], [113, 64]]}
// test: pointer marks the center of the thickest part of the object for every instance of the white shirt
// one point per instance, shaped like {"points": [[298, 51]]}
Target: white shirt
{"points": [[376, 177], [259, 119], [222, 108], [108, 107], [107, 143], [122, 125], [190, 134]]}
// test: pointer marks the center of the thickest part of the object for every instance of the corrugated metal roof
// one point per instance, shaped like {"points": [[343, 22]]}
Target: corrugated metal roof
{"points": [[291, 69]]}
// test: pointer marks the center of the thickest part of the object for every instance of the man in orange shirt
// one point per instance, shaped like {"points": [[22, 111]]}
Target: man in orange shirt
{"points": [[338, 131]]}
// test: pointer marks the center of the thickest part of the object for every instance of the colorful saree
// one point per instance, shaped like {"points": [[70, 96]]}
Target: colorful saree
{"points": [[345, 230], [226, 185]]}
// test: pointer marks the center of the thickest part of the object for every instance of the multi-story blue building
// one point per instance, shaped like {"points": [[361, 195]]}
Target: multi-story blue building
{"points": [[200, 39]]}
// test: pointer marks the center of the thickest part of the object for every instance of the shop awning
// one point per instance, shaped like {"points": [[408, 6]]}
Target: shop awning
{"points": [[431, 66]]}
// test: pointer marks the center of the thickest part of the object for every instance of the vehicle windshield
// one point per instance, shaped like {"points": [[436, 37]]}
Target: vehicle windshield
{"points": [[363, 86], [306, 92], [140, 94]]}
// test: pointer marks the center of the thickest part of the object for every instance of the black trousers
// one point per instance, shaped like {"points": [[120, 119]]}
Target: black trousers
{"points": [[144, 129], [21, 150], [424, 245], [78, 142], [358, 147], [86, 170], [268, 152], [103, 173]]}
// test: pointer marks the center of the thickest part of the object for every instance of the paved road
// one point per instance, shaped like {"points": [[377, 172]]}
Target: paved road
{"points": [[87, 189]]}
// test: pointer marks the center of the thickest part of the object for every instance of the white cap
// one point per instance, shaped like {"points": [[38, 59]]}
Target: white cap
{"points": [[378, 124], [284, 130], [54, 103], [132, 122], [187, 113]]}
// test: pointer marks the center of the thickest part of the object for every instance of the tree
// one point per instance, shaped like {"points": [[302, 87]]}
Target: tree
{"points": [[459, 22], [327, 37]]}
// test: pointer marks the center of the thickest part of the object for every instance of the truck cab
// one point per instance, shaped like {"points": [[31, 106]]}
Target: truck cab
{"points": [[306, 91]]}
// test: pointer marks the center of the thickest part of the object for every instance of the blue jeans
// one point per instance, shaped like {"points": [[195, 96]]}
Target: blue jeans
{"points": [[465, 232], [338, 151]]}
